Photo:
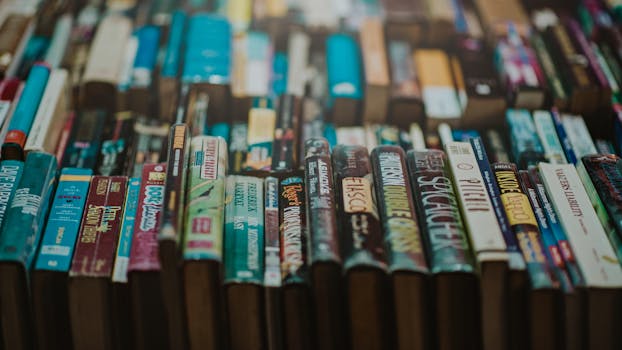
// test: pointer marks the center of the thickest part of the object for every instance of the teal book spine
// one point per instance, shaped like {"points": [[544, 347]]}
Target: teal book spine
{"points": [[344, 67], [122, 258], [63, 225], [10, 174], [25, 217], [244, 230]]}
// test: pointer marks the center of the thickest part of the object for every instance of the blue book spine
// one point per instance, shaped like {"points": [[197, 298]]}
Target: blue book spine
{"points": [[516, 259], [146, 55], [10, 174], [279, 74], [220, 129], [344, 67], [526, 147], [63, 225], [563, 138], [26, 108], [172, 57], [208, 50], [122, 259], [464, 135], [25, 217], [330, 134]]}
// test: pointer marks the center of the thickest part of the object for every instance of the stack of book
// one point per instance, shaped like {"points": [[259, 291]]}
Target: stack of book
{"points": [[272, 174]]}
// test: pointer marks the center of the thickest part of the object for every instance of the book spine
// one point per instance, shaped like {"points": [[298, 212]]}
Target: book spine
{"points": [[526, 146], [294, 235], [220, 130], [16, 30], [63, 139], [60, 41], [516, 261], [117, 137], [523, 222], [144, 250], [360, 228], [122, 257], [25, 112], [205, 199], [571, 157], [258, 64], [404, 77], [376, 70], [10, 175], [25, 218], [579, 136], [397, 210], [175, 185], [239, 13], [287, 134], [351, 136], [63, 224], [99, 230], [238, 147], [207, 33], [272, 250], [545, 127], [105, 58], [9, 95], [146, 56], [344, 67], [260, 136], [549, 69], [321, 206], [552, 251], [85, 141], [594, 253], [388, 135], [244, 230], [280, 67], [330, 134], [172, 59], [438, 212]]}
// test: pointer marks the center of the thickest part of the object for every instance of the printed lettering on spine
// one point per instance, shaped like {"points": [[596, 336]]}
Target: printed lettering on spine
{"points": [[10, 174]]}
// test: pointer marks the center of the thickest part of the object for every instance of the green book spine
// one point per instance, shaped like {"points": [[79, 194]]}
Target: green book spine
{"points": [[10, 174]]}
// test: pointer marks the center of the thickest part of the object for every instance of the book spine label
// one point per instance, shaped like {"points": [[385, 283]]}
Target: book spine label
{"points": [[175, 185], [397, 210], [322, 212], [545, 127], [286, 135], [344, 67], [481, 223], [244, 230], [292, 214], [360, 227], [516, 261], [122, 259], [260, 136], [524, 224], [206, 199], [594, 253], [99, 230], [526, 146], [272, 275], [439, 214], [10, 175], [63, 225], [144, 250], [25, 218]]}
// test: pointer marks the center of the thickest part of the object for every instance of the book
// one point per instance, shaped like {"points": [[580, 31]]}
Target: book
{"points": [[272, 265], [238, 146], [296, 292], [89, 286], [364, 256], [405, 20], [571, 157], [557, 92], [298, 47], [19, 239], [203, 242], [376, 71], [121, 298], [287, 134], [437, 87], [117, 140], [486, 240], [260, 136], [59, 41], [351, 136], [141, 90], [593, 251], [16, 29], [149, 144], [168, 84], [345, 88], [85, 140], [440, 17], [244, 261], [149, 326], [495, 16], [553, 151], [404, 245], [526, 147], [51, 270], [25, 112], [578, 136], [10, 90], [450, 259], [405, 102]]}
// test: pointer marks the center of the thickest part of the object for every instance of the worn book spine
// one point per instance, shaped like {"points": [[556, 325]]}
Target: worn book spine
{"points": [[523, 223], [396, 207], [117, 139], [293, 235], [321, 205], [24, 113], [360, 227], [175, 186], [260, 136], [26, 215], [526, 147], [85, 141], [477, 210], [516, 261], [130, 208], [272, 246], [238, 147], [144, 250], [205, 204], [10, 175], [244, 230], [553, 151], [99, 230], [287, 134], [63, 224]]}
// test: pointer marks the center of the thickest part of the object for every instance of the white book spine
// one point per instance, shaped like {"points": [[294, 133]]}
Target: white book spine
{"points": [[579, 136], [475, 205], [545, 128], [594, 254], [297, 61], [107, 52], [417, 138]]}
